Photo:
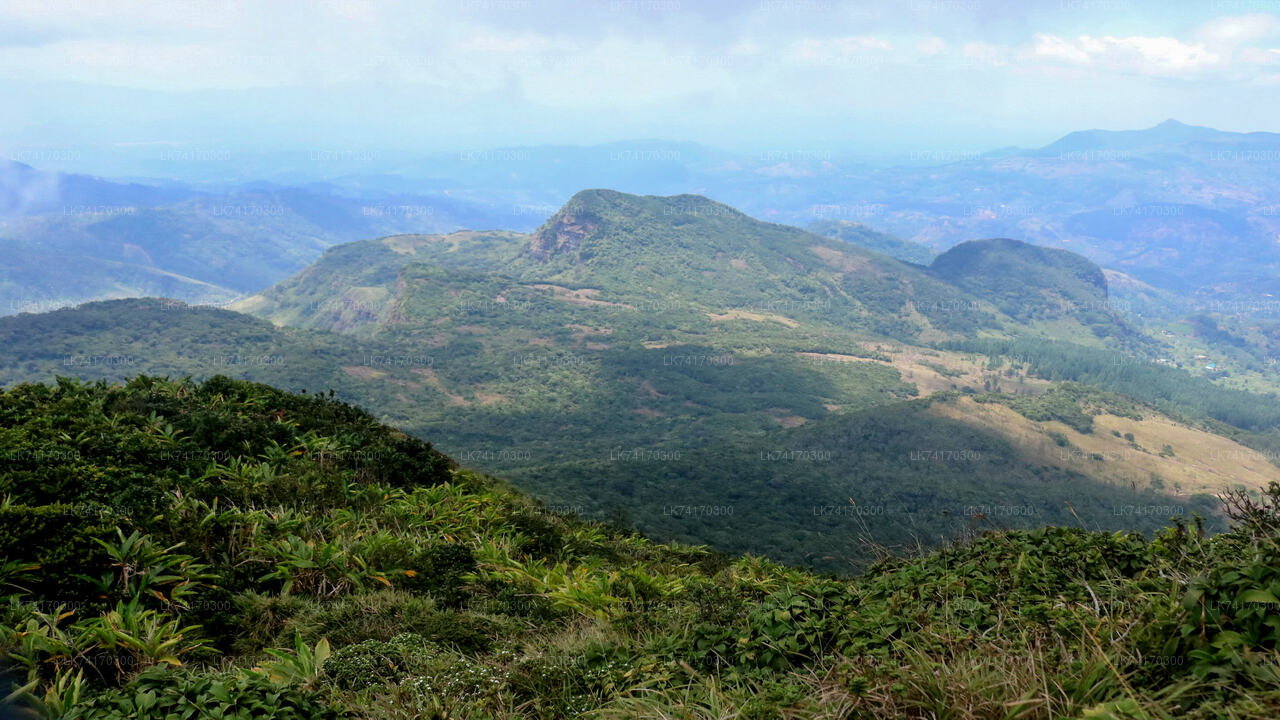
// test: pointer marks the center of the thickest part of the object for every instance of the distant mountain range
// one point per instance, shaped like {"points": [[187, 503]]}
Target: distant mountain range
{"points": [[69, 238], [1192, 213], [636, 354]]}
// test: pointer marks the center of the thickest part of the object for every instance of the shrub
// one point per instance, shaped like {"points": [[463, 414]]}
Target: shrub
{"points": [[568, 684], [513, 600], [543, 538], [60, 542], [374, 662], [439, 572], [163, 694], [1229, 613], [260, 619], [385, 614]]}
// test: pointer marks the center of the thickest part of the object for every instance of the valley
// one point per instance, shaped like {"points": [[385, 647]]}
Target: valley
{"points": [[639, 360], [636, 354]]}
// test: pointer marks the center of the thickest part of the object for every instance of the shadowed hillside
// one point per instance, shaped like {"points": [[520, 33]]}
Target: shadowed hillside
{"points": [[223, 548]]}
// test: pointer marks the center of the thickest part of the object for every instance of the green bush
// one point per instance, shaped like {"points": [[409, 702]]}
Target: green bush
{"points": [[560, 685], [168, 694], [439, 572], [1229, 614], [374, 662], [62, 543], [499, 611], [385, 614], [543, 538]]}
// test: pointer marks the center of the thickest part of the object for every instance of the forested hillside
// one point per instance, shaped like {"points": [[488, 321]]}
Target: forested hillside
{"points": [[223, 549], [713, 379], [806, 457], [865, 237]]}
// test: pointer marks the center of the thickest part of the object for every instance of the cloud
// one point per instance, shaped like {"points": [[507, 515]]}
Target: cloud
{"points": [[1220, 44], [1239, 30], [840, 50], [1260, 56], [931, 46], [507, 43], [984, 54], [716, 67], [1135, 54], [1052, 47]]}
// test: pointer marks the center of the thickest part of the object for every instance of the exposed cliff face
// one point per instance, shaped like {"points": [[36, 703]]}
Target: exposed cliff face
{"points": [[563, 233]]}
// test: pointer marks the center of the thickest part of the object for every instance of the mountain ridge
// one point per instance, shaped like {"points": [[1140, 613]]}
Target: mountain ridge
{"points": [[701, 338], [1168, 133], [693, 251]]}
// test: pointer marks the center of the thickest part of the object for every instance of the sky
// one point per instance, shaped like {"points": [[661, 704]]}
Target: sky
{"points": [[351, 76]]}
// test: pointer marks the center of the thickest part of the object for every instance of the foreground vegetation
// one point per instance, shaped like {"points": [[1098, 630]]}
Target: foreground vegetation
{"points": [[174, 549]]}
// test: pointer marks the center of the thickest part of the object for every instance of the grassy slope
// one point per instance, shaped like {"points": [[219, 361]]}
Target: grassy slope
{"points": [[287, 557], [1164, 455]]}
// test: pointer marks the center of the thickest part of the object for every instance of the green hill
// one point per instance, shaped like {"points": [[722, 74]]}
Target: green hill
{"points": [[665, 254], [1034, 284], [865, 237], [638, 350], [70, 239], [350, 287], [779, 445], [118, 339], [224, 549]]}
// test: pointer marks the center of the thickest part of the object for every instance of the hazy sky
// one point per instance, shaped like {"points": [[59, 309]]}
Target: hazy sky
{"points": [[867, 77]]}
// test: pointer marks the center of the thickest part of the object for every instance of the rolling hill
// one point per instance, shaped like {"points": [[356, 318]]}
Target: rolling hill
{"points": [[1031, 283], [640, 353], [1174, 206], [680, 253], [70, 239]]}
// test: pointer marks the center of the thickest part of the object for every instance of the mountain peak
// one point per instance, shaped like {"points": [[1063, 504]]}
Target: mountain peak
{"points": [[605, 200], [565, 231], [589, 210], [1168, 133], [14, 165]]}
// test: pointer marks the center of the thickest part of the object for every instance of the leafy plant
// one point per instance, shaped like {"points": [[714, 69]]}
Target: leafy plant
{"points": [[138, 638], [303, 667], [142, 569], [162, 694]]}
